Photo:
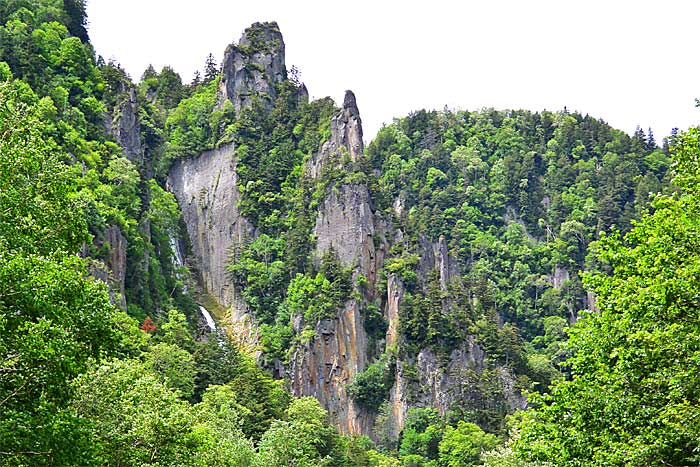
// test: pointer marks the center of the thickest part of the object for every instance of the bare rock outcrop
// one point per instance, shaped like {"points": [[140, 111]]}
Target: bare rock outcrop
{"points": [[206, 188], [345, 221], [345, 141], [347, 226], [253, 67], [111, 271], [124, 125], [395, 292], [464, 382], [325, 366], [436, 256]]}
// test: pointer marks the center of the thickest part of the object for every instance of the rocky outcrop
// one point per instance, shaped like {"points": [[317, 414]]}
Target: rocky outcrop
{"points": [[436, 256], [253, 67], [116, 260], [465, 382], [333, 351], [124, 125], [325, 366], [112, 269], [345, 141], [345, 224], [559, 277], [206, 188], [394, 292], [345, 221]]}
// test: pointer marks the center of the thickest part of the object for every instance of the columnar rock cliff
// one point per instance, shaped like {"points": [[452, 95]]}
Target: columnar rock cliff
{"points": [[113, 270], [126, 128], [206, 187], [345, 140], [348, 224], [122, 123], [345, 225], [253, 67], [325, 366]]}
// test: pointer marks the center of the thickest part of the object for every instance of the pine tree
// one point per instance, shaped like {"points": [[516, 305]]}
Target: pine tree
{"points": [[149, 73], [651, 142], [639, 140], [196, 79], [211, 69]]}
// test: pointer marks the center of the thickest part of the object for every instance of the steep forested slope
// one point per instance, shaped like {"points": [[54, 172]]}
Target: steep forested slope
{"points": [[416, 288]]}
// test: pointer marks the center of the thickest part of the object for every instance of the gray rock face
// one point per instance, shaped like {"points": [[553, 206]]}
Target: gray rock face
{"points": [[325, 366], [394, 292], [559, 276], [436, 256], [113, 270], [126, 129], [345, 140], [206, 187], [345, 224], [345, 221], [116, 262], [253, 67], [462, 383]]}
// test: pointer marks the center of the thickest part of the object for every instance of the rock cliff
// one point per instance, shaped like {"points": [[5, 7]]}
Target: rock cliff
{"points": [[124, 125], [325, 366], [253, 67], [345, 140], [206, 187], [111, 271], [324, 363]]}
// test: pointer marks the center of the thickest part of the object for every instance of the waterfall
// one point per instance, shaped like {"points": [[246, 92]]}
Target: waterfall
{"points": [[177, 253], [178, 260], [207, 317]]}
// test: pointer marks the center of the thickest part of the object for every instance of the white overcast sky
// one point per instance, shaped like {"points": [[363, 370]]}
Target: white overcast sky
{"points": [[628, 62]]}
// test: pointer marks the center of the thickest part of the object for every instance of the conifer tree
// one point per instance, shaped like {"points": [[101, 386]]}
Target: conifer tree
{"points": [[211, 69]]}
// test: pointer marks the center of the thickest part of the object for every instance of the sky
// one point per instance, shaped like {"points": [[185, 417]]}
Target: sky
{"points": [[628, 62]]}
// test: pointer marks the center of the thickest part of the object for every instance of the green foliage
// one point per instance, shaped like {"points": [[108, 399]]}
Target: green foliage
{"points": [[322, 295], [53, 318], [421, 437], [221, 442], [176, 331], [53, 321], [633, 397], [121, 188], [136, 419], [192, 126], [220, 363], [370, 388], [262, 275], [39, 212], [462, 446], [174, 365], [304, 439], [270, 149], [519, 198]]}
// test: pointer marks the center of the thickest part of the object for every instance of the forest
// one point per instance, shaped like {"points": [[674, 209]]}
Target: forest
{"points": [[524, 290]]}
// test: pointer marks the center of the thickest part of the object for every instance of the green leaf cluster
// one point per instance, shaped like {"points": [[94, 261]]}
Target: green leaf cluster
{"points": [[633, 395]]}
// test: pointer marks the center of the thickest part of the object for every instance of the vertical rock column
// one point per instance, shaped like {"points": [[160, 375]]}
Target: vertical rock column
{"points": [[345, 224]]}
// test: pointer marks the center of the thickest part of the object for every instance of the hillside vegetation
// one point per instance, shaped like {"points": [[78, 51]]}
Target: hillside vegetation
{"points": [[543, 266]]}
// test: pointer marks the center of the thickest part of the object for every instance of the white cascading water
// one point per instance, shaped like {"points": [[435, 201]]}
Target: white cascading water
{"points": [[175, 246], [207, 317], [180, 262], [178, 258]]}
